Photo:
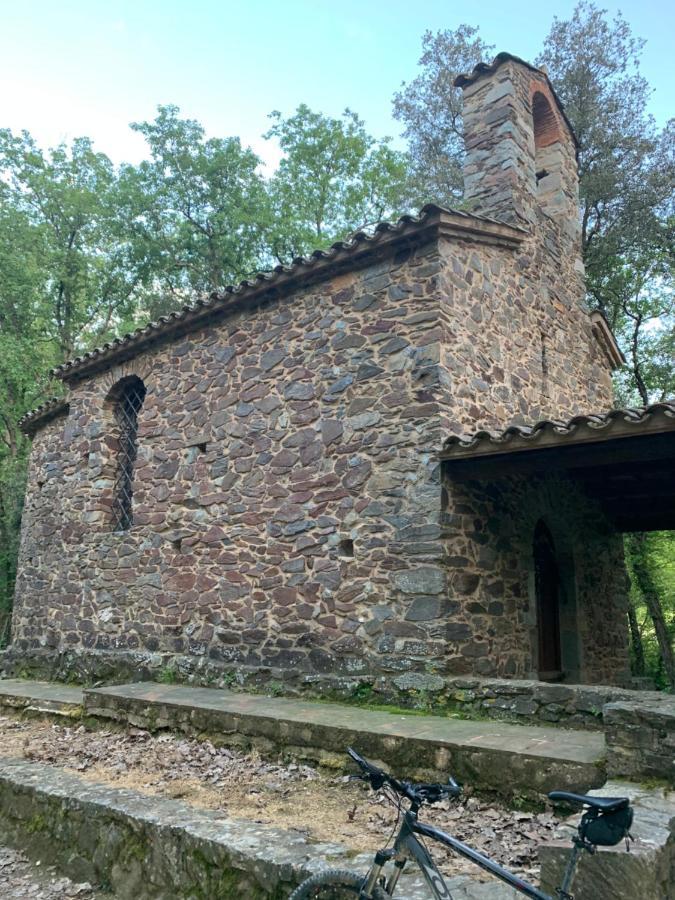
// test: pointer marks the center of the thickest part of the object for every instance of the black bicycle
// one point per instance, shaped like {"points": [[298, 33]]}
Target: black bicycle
{"points": [[605, 822]]}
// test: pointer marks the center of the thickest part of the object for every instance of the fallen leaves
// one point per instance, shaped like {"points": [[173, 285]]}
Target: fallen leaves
{"points": [[293, 796]]}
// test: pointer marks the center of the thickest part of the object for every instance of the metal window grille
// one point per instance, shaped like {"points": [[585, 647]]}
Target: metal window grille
{"points": [[127, 408]]}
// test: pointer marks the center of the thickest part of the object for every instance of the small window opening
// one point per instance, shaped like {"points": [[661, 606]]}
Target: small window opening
{"points": [[542, 173], [202, 447], [346, 548], [177, 544], [128, 395]]}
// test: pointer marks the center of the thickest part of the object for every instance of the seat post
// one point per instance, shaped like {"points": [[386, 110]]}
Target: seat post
{"points": [[570, 869]]}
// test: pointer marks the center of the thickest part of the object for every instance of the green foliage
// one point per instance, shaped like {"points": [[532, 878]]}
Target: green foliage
{"points": [[168, 675], [651, 565], [198, 210], [626, 172], [430, 107], [67, 198], [334, 178]]}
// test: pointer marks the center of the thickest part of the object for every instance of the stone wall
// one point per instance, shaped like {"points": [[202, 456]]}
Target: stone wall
{"points": [[641, 738], [263, 443], [490, 527], [517, 347]]}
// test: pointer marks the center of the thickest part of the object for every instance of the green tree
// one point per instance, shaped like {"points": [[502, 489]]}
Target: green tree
{"points": [[69, 196], [430, 108], [197, 210], [651, 562], [637, 293], [625, 164], [25, 357], [334, 178]]}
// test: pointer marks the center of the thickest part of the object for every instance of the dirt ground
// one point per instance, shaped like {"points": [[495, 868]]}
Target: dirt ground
{"points": [[24, 880], [243, 786]]}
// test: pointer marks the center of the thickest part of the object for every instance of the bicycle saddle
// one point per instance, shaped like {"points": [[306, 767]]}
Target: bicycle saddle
{"points": [[603, 804]]}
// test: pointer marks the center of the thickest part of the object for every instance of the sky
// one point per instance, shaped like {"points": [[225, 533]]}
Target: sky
{"points": [[73, 68]]}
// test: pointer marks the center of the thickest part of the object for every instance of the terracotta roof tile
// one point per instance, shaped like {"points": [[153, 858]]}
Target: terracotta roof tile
{"points": [[193, 314], [42, 414], [519, 436]]}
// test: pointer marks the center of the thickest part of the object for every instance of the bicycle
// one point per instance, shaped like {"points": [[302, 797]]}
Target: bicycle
{"points": [[605, 822]]}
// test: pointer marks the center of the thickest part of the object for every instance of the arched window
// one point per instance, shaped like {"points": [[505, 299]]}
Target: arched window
{"points": [[127, 396]]}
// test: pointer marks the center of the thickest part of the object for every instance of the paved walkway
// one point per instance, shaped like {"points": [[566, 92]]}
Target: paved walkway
{"points": [[509, 759], [530, 740]]}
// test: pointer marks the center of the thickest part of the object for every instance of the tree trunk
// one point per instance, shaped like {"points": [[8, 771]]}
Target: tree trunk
{"points": [[646, 586], [636, 642]]}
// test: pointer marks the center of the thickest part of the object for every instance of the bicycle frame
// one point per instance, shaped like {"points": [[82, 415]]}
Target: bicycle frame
{"points": [[408, 847]]}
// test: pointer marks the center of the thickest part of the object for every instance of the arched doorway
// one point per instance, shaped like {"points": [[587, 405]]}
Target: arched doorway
{"points": [[547, 587]]}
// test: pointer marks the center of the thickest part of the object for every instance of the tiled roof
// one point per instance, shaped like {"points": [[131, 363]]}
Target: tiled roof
{"points": [[500, 59], [37, 417], [305, 268], [551, 431]]}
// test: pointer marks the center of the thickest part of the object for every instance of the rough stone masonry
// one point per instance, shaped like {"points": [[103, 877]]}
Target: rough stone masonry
{"points": [[289, 509]]}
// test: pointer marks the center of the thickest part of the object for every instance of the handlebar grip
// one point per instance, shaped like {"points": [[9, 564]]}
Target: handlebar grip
{"points": [[377, 776]]}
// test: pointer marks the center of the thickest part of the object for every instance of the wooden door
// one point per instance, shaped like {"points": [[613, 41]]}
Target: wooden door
{"points": [[547, 590]]}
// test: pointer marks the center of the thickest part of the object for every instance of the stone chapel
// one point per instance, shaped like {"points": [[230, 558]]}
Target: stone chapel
{"points": [[398, 455]]}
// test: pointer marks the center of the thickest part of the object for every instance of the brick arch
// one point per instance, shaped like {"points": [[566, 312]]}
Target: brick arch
{"points": [[138, 367], [546, 122]]}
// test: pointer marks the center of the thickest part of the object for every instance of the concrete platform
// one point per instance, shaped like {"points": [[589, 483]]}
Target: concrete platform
{"points": [[41, 697], [493, 756]]}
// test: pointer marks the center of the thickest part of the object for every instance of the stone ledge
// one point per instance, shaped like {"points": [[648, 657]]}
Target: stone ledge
{"points": [[151, 848], [41, 698], [641, 739], [509, 760], [519, 701]]}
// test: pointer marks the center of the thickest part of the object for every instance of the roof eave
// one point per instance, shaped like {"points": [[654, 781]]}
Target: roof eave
{"points": [[432, 221], [658, 418]]}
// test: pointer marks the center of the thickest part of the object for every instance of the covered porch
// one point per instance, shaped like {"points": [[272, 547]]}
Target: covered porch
{"points": [[617, 468]]}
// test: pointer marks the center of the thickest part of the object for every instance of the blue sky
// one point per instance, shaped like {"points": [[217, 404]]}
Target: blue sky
{"points": [[75, 67]]}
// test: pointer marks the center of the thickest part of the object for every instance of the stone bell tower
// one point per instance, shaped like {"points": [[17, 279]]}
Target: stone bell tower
{"points": [[520, 148]]}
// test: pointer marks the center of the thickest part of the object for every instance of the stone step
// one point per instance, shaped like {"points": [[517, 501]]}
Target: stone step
{"points": [[644, 873], [511, 760], [41, 697], [153, 848]]}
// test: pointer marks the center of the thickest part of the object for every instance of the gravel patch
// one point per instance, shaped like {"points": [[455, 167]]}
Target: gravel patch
{"points": [[24, 880]]}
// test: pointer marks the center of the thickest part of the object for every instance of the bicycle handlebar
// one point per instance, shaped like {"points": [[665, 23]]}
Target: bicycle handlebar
{"points": [[416, 793]]}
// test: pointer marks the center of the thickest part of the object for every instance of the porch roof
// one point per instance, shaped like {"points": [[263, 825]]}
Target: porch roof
{"points": [[624, 458]]}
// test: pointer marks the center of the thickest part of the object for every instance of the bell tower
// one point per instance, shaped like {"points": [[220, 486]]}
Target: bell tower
{"points": [[520, 148]]}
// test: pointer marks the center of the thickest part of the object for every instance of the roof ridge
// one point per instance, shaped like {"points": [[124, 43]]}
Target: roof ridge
{"points": [[232, 293]]}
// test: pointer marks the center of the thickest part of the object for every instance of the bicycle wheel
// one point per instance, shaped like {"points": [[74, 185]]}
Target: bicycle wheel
{"points": [[334, 884]]}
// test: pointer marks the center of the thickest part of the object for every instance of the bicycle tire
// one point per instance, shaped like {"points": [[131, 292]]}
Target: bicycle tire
{"points": [[334, 884]]}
